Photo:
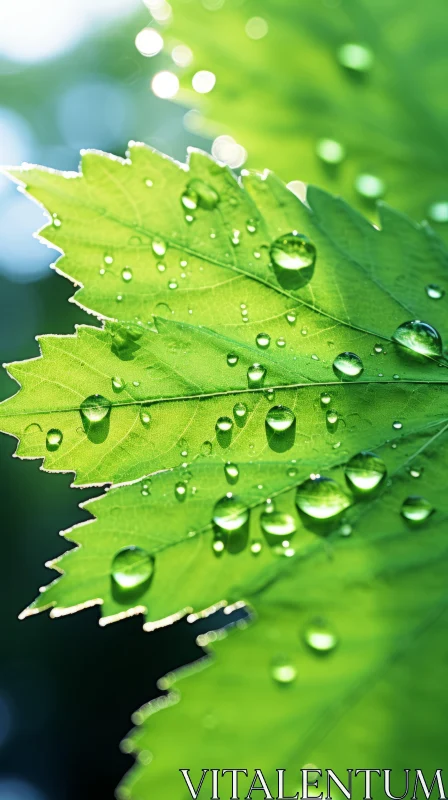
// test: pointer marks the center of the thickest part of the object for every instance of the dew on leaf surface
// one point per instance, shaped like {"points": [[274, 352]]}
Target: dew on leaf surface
{"points": [[231, 472], [434, 292], [416, 509], [230, 514], [332, 417], [347, 365], [132, 567], [126, 274], [224, 424], [325, 399], [371, 187], [365, 471], [294, 252], [95, 408], [263, 340], [145, 417], [202, 194], [280, 418], [355, 56], [438, 212], [158, 247], [117, 382], [320, 637], [283, 671], [54, 439], [321, 498], [180, 490], [232, 359], [256, 375], [330, 151], [420, 337], [277, 523], [240, 410]]}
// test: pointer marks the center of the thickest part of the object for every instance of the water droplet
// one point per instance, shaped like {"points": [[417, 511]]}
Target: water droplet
{"points": [[415, 472], [158, 247], [420, 337], [231, 472], [356, 57], [56, 221], [276, 523], [218, 546], [230, 514], [378, 348], [132, 567], [397, 425], [257, 254], [319, 637], [347, 365], [172, 283], [416, 509], [321, 498], [161, 267], [280, 418], [189, 199], [149, 183], [95, 408], [291, 472], [256, 375], [365, 471], [330, 151], [370, 186], [256, 547], [291, 317], [434, 292], [126, 274], [345, 529], [283, 672], [119, 298], [325, 399], [438, 212], [224, 424], [145, 417], [206, 448], [118, 383], [332, 417], [281, 342], [294, 252], [263, 340], [108, 260], [232, 359], [180, 490], [251, 226], [205, 195], [54, 439], [240, 410]]}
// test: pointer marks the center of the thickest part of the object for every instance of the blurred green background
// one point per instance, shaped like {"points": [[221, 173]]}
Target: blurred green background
{"points": [[81, 74]]}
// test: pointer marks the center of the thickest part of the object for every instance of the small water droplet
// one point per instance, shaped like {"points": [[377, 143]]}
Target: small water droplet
{"points": [[365, 472], [280, 418], [325, 399], [189, 199], [332, 417], [230, 514], [126, 274], [231, 472], [56, 221], [378, 348], [291, 472], [172, 283], [206, 448], [371, 187], [256, 254], [263, 340], [294, 252], [224, 424], [132, 567], [218, 546], [232, 359], [397, 425], [145, 417], [438, 212], [256, 375], [283, 671], [119, 298], [321, 498], [347, 365], [256, 547], [180, 490], [149, 183], [108, 260], [416, 509], [434, 292], [420, 337], [320, 637], [200, 193], [118, 383], [251, 225], [95, 408], [415, 472], [158, 247], [281, 342], [276, 523], [54, 439], [240, 410], [356, 57], [291, 317], [345, 529], [161, 267], [330, 151]]}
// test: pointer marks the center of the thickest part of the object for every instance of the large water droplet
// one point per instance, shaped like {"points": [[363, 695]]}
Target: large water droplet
{"points": [[365, 471], [263, 340], [283, 671], [276, 523], [330, 151], [356, 57], [158, 247], [347, 365], [132, 567], [54, 439], [95, 408], [280, 418], [420, 337], [416, 509], [294, 252], [319, 637], [230, 514], [224, 425], [321, 498], [255, 376]]}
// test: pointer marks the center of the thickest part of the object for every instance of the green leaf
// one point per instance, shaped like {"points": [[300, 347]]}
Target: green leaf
{"points": [[378, 602], [282, 94]]}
